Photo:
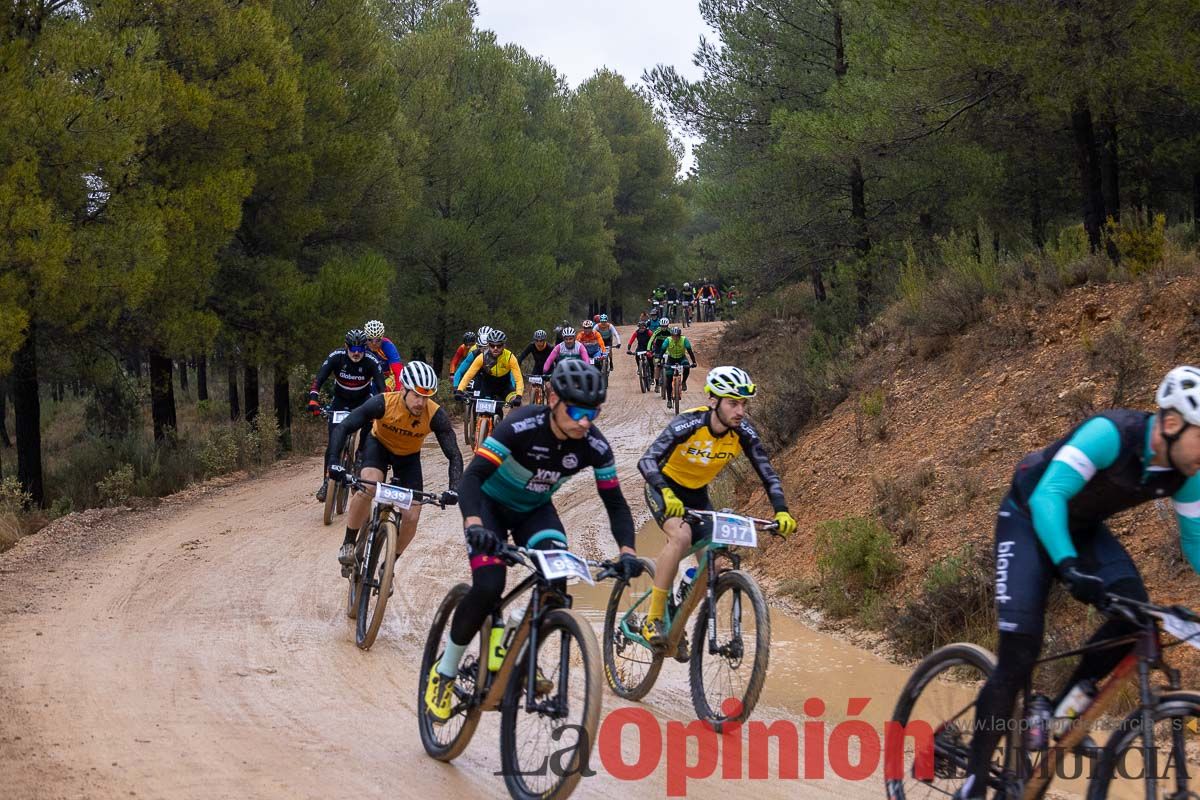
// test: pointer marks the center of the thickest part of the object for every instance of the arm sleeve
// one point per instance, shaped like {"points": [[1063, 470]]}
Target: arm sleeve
{"points": [[550, 359], [458, 356], [322, 374], [1187, 512], [446, 439], [753, 447], [1093, 447], [377, 377], [525, 354], [688, 346], [393, 357], [371, 409], [514, 369], [396, 368], [467, 371], [616, 336]]}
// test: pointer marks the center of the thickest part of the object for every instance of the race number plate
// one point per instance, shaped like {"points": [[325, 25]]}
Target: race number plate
{"points": [[484, 406], [555, 564], [395, 496], [338, 416], [1181, 629], [734, 530], [535, 380]]}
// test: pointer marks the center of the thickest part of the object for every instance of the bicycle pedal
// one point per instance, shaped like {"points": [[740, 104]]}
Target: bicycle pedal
{"points": [[347, 570], [682, 655]]}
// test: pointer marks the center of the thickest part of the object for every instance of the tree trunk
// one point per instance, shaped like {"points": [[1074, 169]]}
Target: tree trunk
{"points": [[1090, 184], [818, 283], [202, 377], [133, 363], [162, 394], [283, 407], [235, 408], [7, 442], [1196, 202], [250, 378], [1110, 171], [27, 406], [183, 375], [439, 321], [858, 211], [1037, 223]]}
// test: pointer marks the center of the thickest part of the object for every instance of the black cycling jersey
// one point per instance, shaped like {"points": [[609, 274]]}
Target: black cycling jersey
{"points": [[539, 357], [351, 381], [522, 464], [641, 340], [672, 295]]}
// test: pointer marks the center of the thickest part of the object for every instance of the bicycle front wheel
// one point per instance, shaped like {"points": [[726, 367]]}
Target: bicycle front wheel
{"points": [[630, 666], [376, 583], [546, 748], [1172, 755], [735, 665]]}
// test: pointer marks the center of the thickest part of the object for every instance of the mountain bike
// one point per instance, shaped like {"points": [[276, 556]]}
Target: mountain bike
{"points": [[549, 699], [687, 313], [537, 389], [672, 385], [723, 642], [337, 495], [375, 555], [600, 362], [469, 415], [707, 309], [1154, 746], [645, 371], [487, 412]]}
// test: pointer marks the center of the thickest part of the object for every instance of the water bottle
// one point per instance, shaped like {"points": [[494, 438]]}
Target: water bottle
{"points": [[1075, 703], [1037, 723], [685, 585], [496, 649]]}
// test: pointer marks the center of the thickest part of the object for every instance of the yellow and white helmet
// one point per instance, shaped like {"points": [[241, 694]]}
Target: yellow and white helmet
{"points": [[729, 382]]}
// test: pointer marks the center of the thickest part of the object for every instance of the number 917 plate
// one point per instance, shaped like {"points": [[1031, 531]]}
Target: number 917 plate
{"points": [[733, 530]]}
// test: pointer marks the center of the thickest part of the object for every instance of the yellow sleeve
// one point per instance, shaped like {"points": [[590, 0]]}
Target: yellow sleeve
{"points": [[472, 371], [515, 368]]}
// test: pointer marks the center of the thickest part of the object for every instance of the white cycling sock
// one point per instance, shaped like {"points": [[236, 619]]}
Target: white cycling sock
{"points": [[448, 666]]}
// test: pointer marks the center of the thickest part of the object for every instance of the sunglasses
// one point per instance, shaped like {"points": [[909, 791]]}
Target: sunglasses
{"points": [[357, 349], [495, 347], [424, 392], [579, 413]]}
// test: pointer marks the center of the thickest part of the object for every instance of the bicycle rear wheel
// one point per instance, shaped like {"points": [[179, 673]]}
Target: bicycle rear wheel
{"points": [[1172, 759], [741, 642], [445, 741], [566, 713], [376, 583]]}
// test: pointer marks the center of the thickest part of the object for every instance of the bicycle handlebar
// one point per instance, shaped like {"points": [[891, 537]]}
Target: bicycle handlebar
{"points": [[768, 525], [512, 555], [424, 498]]}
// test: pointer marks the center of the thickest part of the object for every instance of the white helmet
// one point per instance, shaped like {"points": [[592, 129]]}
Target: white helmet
{"points": [[1180, 391], [729, 382], [664, 321], [481, 336], [587, 324], [568, 333], [374, 329], [419, 377]]}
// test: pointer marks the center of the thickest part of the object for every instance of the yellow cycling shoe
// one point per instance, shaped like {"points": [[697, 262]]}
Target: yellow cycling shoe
{"points": [[439, 695], [654, 631]]}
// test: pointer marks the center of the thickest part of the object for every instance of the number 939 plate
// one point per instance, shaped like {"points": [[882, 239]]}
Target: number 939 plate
{"points": [[731, 529], [556, 564], [395, 496]]}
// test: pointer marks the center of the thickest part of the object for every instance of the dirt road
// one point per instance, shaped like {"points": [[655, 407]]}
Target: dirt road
{"points": [[201, 650]]}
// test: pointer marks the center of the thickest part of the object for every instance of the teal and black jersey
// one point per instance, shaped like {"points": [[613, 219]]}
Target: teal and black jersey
{"points": [[1099, 469], [522, 464]]}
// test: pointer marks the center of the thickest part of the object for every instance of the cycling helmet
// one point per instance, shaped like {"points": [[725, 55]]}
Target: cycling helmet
{"points": [[568, 333], [469, 337], [578, 383], [604, 317], [1180, 391], [356, 337], [374, 329], [642, 325], [675, 330], [482, 334], [687, 285], [497, 336], [540, 335], [587, 324], [664, 322], [729, 382], [420, 378]]}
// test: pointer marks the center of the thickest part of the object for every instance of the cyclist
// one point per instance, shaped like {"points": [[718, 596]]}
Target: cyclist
{"points": [[539, 349], [491, 371], [468, 344], [1052, 523], [609, 334], [402, 420], [677, 349], [658, 338], [558, 331], [481, 337], [672, 300], [569, 348], [639, 343], [356, 376], [592, 340], [680, 464], [508, 489], [383, 349]]}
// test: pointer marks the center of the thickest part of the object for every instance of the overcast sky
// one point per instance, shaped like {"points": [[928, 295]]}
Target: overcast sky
{"points": [[580, 36]]}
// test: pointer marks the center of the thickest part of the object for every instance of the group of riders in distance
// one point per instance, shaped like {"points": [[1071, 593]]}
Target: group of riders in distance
{"points": [[540, 666]]}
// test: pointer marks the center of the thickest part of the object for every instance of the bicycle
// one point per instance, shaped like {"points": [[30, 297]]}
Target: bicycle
{"points": [[631, 665], [687, 313], [537, 391], [600, 362], [503, 677], [337, 496], [1026, 768], [485, 411], [375, 555], [707, 309], [672, 384], [644, 369], [469, 416]]}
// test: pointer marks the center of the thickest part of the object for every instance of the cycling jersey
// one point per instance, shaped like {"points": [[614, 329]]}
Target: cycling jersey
{"points": [[352, 381], [459, 355], [399, 431], [540, 354], [609, 334], [641, 340], [561, 353], [468, 362], [1101, 468], [672, 295], [494, 366], [691, 455], [678, 348], [590, 340], [388, 356], [522, 464], [658, 340]]}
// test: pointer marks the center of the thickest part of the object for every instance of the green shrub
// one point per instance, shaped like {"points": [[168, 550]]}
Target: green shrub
{"points": [[857, 562], [116, 487], [1140, 244], [954, 604]]}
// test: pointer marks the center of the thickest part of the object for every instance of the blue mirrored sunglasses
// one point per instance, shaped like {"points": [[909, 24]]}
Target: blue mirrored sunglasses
{"points": [[579, 413], [357, 349]]}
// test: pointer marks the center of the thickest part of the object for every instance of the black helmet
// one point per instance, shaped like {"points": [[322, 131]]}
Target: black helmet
{"points": [[469, 337], [578, 383], [356, 337]]}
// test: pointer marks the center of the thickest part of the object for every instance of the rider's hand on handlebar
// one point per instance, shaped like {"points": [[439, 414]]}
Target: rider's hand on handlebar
{"points": [[786, 523], [1084, 587], [449, 498], [629, 567], [314, 408], [482, 541], [672, 505], [460, 395], [338, 473]]}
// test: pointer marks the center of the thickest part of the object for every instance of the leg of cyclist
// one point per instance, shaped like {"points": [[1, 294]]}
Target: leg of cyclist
{"points": [[375, 461], [680, 537]]}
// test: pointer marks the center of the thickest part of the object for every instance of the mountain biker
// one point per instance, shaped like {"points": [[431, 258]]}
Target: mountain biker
{"points": [[683, 460], [639, 342], [609, 334], [491, 371], [508, 489], [658, 339], [592, 340], [569, 348], [1051, 524], [383, 349], [468, 343], [402, 420], [356, 376], [539, 349], [677, 349], [481, 337]]}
